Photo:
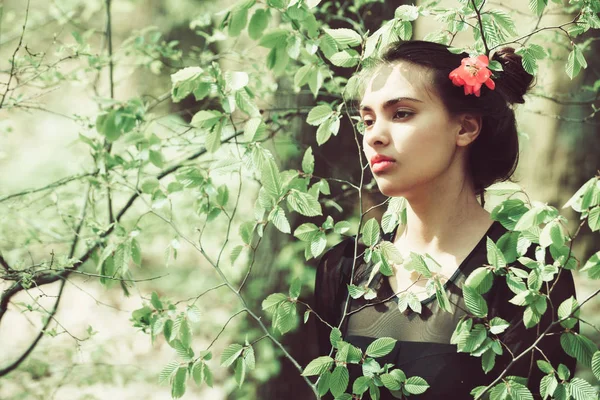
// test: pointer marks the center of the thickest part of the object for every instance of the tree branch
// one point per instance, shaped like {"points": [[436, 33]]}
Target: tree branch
{"points": [[12, 62], [32, 346]]}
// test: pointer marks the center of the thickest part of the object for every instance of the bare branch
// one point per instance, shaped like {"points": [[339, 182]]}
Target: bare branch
{"points": [[32, 346], [52, 185], [12, 62]]}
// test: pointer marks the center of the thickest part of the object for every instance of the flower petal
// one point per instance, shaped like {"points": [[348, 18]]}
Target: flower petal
{"points": [[484, 60]]}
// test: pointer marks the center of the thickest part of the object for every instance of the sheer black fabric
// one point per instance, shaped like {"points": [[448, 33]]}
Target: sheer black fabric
{"points": [[423, 348]]}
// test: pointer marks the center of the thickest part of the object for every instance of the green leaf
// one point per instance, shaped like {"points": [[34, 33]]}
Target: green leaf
{"points": [[323, 384], [494, 255], [285, 317], [308, 161], [548, 385], [575, 201], [417, 262], [537, 6], [563, 372], [295, 288], [582, 390], [498, 325], [565, 309], [185, 82], [575, 62], [178, 387], [271, 178], [596, 364], [198, 372], [304, 203], [318, 366], [318, 243], [390, 382], [258, 23], [475, 302], [254, 128], [230, 354], [306, 232], [380, 347], [319, 114], [240, 372], [237, 21], [480, 279], [325, 130], [594, 219], [416, 385], [272, 301], [155, 301], [370, 232], [315, 81], [407, 12], [168, 371], [592, 266], [344, 37], [334, 337], [390, 252], [136, 252], [360, 385], [518, 391], [579, 347], [345, 58], [339, 380], [356, 291]]}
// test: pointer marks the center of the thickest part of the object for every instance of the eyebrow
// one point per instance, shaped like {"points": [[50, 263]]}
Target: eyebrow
{"points": [[390, 103]]}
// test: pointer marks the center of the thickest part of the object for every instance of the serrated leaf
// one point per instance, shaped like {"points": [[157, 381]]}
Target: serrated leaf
{"points": [[345, 58], [480, 279], [416, 385], [475, 302], [278, 218], [581, 390], [498, 325], [565, 309], [344, 36], [339, 380], [370, 232], [494, 255], [381, 347], [167, 371], [308, 161], [304, 203], [319, 114], [230, 354], [318, 366]]}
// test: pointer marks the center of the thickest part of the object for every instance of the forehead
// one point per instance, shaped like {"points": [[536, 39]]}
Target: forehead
{"points": [[400, 80]]}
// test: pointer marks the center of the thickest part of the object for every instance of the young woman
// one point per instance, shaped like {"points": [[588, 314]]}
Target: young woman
{"points": [[439, 129]]}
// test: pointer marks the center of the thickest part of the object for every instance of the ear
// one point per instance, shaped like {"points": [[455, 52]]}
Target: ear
{"points": [[470, 126]]}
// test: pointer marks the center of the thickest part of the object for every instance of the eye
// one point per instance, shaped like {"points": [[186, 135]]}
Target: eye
{"points": [[402, 114], [368, 122]]}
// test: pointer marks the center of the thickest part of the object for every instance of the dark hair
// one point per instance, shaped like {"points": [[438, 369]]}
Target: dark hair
{"points": [[494, 154]]}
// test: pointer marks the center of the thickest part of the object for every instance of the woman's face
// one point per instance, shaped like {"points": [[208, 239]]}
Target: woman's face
{"points": [[409, 124]]}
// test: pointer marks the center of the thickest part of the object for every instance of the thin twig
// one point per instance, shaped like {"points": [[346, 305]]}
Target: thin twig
{"points": [[12, 62], [23, 356]]}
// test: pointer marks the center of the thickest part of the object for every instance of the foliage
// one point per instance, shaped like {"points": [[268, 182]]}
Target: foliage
{"points": [[229, 135]]}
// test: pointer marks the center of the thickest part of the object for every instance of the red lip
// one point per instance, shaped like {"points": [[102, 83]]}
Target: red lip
{"points": [[379, 157]]}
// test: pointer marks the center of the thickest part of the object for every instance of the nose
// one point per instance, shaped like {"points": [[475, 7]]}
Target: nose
{"points": [[377, 135]]}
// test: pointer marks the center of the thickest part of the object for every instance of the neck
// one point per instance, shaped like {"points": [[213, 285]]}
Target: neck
{"points": [[442, 216]]}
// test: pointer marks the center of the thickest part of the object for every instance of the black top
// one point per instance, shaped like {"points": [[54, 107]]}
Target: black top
{"points": [[423, 348]]}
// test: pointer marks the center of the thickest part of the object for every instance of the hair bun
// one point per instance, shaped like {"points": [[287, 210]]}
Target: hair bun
{"points": [[514, 81]]}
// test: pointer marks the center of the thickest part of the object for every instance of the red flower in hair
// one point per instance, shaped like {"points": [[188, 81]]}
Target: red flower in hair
{"points": [[473, 73]]}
